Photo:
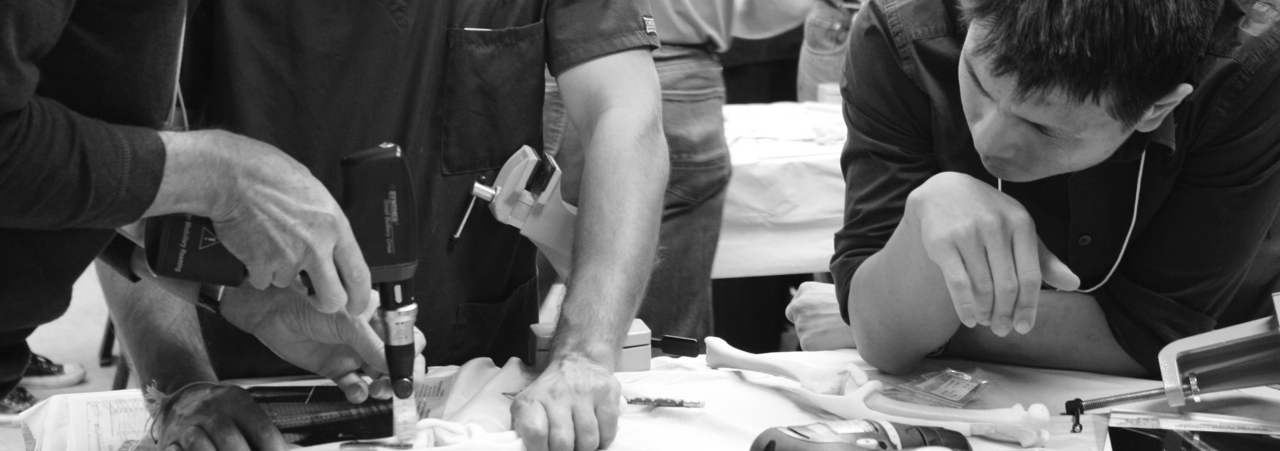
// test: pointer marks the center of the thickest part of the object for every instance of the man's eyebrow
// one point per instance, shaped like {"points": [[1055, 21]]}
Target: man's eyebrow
{"points": [[1042, 128]]}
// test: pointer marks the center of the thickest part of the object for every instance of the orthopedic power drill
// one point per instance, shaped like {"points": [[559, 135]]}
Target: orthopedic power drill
{"points": [[379, 203]]}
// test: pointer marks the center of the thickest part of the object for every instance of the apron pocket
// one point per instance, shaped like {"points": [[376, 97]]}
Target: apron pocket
{"points": [[493, 96], [498, 330]]}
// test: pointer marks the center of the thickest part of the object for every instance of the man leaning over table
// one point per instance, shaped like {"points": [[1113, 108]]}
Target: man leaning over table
{"points": [[1124, 153], [84, 91], [459, 86]]}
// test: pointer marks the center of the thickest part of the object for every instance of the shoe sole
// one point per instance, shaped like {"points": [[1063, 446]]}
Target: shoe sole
{"points": [[65, 380]]}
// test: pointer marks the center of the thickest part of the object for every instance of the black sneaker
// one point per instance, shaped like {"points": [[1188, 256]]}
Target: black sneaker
{"points": [[43, 373], [18, 400]]}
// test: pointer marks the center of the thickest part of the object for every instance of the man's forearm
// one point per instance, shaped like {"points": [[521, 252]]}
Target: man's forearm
{"points": [[621, 205], [899, 308], [1071, 333], [615, 102], [159, 332]]}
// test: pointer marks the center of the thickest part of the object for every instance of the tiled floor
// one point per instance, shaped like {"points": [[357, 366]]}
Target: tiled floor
{"points": [[73, 338]]}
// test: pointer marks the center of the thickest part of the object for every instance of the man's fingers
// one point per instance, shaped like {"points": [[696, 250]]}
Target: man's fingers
{"points": [[981, 287], [530, 421], [355, 274], [330, 295], [607, 416], [1056, 273], [380, 388], [361, 337], [353, 386], [560, 431], [953, 271], [194, 439], [284, 277], [225, 436], [1004, 279], [586, 432], [257, 429], [1026, 252], [419, 340], [260, 276]]}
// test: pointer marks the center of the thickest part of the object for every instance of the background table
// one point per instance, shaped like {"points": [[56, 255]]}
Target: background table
{"points": [[785, 200]]}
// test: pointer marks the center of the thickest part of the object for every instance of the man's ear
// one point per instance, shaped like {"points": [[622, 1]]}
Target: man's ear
{"points": [[1161, 109]]}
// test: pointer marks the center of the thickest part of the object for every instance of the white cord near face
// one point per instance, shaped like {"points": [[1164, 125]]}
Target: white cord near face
{"points": [[1137, 192]]}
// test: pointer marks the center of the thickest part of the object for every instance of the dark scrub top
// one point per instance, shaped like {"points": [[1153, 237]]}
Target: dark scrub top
{"points": [[83, 86], [1203, 254], [457, 84]]}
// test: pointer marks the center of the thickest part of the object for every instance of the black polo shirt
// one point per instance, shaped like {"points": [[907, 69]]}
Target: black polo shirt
{"points": [[1203, 254], [457, 84]]}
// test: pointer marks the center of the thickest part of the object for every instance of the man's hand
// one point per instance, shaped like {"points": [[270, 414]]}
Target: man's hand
{"points": [[573, 405], [333, 345], [269, 211], [986, 247], [816, 315], [215, 417]]}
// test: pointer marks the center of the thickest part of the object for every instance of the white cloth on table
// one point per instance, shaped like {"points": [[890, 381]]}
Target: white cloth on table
{"points": [[785, 199]]}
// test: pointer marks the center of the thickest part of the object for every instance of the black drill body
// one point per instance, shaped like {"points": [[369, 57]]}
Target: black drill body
{"points": [[379, 203]]}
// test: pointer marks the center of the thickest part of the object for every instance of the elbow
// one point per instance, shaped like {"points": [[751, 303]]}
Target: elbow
{"points": [[889, 361]]}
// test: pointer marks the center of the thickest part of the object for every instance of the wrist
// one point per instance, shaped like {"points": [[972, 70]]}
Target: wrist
{"points": [[599, 351], [601, 358], [196, 178]]}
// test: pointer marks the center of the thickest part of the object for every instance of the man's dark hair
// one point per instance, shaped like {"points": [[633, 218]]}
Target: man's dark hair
{"points": [[1132, 51]]}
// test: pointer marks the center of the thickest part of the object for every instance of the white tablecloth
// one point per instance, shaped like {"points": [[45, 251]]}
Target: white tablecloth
{"points": [[739, 405], [785, 199]]}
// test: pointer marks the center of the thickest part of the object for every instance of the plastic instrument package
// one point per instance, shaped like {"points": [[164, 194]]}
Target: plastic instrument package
{"points": [[944, 388]]}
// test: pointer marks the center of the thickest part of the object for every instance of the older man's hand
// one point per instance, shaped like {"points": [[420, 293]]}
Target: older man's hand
{"points": [[334, 345]]}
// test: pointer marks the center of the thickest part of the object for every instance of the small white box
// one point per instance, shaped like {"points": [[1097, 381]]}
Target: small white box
{"points": [[635, 349]]}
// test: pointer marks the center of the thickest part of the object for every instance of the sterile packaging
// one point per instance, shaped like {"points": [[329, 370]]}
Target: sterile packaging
{"points": [[944, 388]]}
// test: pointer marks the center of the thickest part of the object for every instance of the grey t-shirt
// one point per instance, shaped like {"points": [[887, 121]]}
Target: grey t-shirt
{"points": [[694, 22]]}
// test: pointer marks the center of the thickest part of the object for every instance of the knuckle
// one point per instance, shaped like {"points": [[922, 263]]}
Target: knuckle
{"points": [[1007, 285], [1030, 279], [561, 440], [958, 283], [1019, 218], [983, 287]]}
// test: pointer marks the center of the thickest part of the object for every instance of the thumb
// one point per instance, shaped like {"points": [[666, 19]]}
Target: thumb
{"points": [[1056, 273]]}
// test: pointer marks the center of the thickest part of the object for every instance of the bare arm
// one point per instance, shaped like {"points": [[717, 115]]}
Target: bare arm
{"points": [[909, 298], [615, 101], [1071, 333], [160, 334]]}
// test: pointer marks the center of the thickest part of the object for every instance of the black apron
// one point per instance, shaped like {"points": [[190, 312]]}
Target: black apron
{"points": [[323, 79]]}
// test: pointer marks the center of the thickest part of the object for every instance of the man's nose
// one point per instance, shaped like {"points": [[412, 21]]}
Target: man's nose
{"points": [[992, 136]]}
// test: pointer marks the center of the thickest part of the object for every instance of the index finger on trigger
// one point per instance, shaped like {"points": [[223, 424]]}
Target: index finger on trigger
{"points": [[330, 296], [355, 275]]}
